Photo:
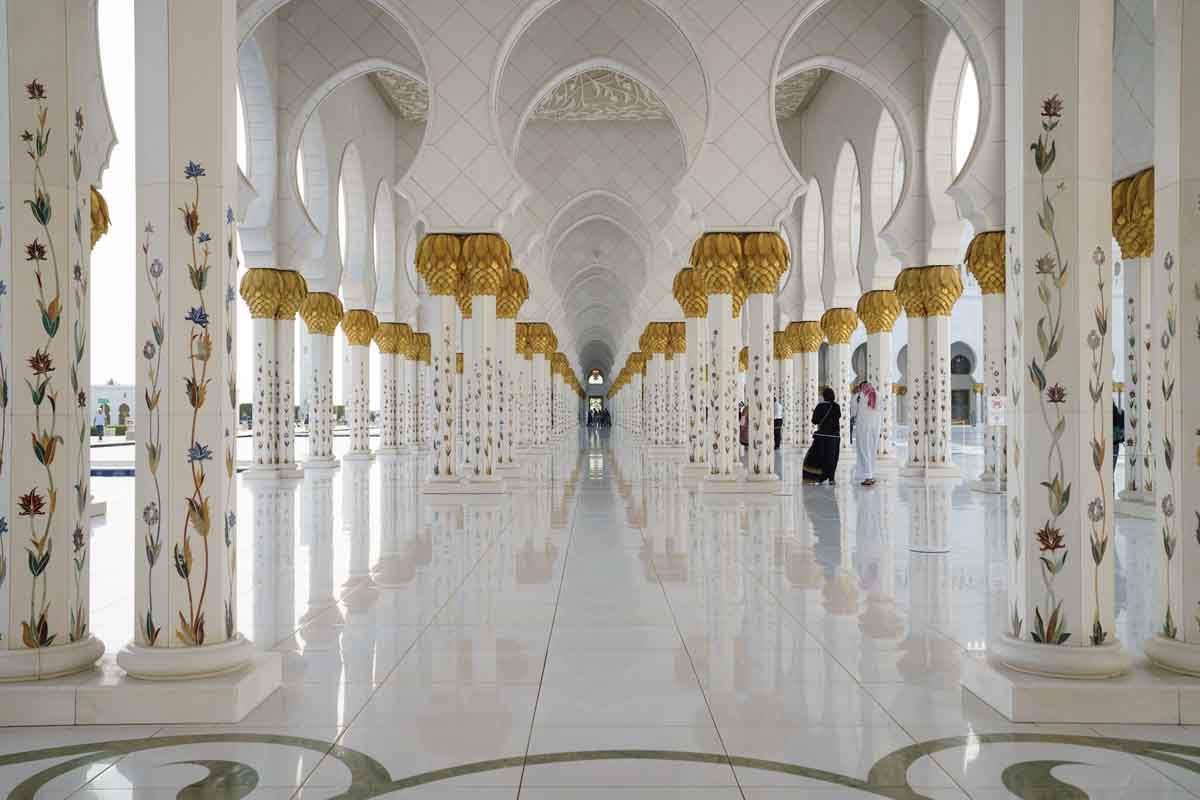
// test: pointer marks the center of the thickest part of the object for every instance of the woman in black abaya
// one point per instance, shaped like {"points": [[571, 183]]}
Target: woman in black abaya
{"points": [[820, 464]]}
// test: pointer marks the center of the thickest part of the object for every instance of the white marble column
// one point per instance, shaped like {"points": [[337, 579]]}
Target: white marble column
{"points": [[809, 336], [359, 326], [406, 389], [523, 393], [424, 392], [56, 137], [487, 261], [678, 412], [693, 301], [185, 593], [292, 297], [839, 324], [508, 304], [1176, 286], [765, 259], [785, 386], [911, 294], [985, 260], [1059, 122], [264, 286], [321, 312], [636, 397], [943, 287], [389, 339], [654, 344], [879, 310], [438, 263], [467, 423], [1138, 317]]}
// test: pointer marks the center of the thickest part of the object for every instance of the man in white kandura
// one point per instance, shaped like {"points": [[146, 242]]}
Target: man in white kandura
{"points": [[866, 432]]}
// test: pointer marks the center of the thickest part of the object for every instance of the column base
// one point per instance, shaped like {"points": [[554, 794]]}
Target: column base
{"points": [[97, 508], [924, 471], [38, 664], [987, 485], [390, 451], [1143, 695], [1173, 655], [483, 485], [328, 462], [744, 484], [274, 472], [1136, 496], [359, 455], [1135, 508], [1061, 661], [176, 663]]}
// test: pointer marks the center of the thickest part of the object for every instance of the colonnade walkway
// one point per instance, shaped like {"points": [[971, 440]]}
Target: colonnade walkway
{"points": [[612, 634]]}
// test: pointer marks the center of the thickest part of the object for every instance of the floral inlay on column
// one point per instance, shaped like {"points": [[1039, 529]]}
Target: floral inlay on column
{"points": [[152, 353]]}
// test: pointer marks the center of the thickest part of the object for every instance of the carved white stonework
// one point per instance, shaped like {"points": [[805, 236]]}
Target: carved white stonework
{"points": [[793, 94], [407, 96], [600, 94]]}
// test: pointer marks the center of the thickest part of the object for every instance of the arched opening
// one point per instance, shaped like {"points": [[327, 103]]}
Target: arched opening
{"points": [[964, 400], [243, 148], [966, 116], [301, 181], [845, 213], [812, 248]]}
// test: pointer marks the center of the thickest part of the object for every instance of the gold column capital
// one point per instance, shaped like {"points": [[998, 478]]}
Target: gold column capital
{"points": [[1133, 214], [359, 326], [717, 261], [744, 359], [985, 260], [782, 345], [261, 289], [689, 293], [910, 291], [293, 290], [513, 295], [740, 293], [439, 263], [943, 286], [458, 363], [879, 310], [765, 258], [839, 324], [678, 337], [463, 298], [486, 259], [656, 338], [99, 215], [424, 347], [807, 336], [392, 338], [322, 312]]}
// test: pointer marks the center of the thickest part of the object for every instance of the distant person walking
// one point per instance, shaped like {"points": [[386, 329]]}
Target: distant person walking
{"points": [[820, 464], [867, 426], [98, 423]]}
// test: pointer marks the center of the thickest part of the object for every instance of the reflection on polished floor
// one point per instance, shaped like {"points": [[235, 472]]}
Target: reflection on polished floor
{"points": [[610, 634]]}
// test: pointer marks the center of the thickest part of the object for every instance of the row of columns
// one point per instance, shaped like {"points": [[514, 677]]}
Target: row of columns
{"points": [[783, 364]]}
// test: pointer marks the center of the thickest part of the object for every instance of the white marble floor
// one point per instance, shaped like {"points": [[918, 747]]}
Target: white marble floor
{"points": [[611, 635]]}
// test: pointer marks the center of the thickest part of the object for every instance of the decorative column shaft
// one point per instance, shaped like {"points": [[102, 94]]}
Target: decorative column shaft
{"points": [[809, 337], [54, 140], [467, 422], [693, 300], [487, 262], [185, 606], [838, 324], [321, 312], [406, 388], [1133, 227], [424, 392], [943, 287], [716, 261], [654, 346], [359, 327], [1176, 286], [389, 339], [785, 386], [765, 258], [679, 359], [262, 289], [292, 294], [1061, 562], [911, 294], [985, 260], [439, 263], [523, 394], [879, 311], [636, 364], [508, 305]]}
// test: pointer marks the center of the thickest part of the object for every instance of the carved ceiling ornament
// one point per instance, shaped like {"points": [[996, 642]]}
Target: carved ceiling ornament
{"points": [[408, 97], [795, 93], [600, 95]]}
